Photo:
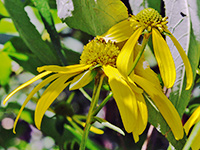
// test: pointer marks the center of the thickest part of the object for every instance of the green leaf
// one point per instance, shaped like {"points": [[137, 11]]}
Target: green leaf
{"points": [[43, 7], [93, 17], [29, 33], [7, 27], [20, 53], [3, 11], [180, 26], [195, 17], [5, 68]]}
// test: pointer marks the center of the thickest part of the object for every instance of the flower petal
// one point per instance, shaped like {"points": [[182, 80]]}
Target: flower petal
{"points": [[26, 84], [142, 117], [186, 62], [125, 58], [124, 97], [82, 79], [164, 59], [50, 94], [196, 144], [142, 114], [134, 86], [119, 32], [194, 118], [67, 69], [164, 105], [143, 69], [37, 88], [135, 136]]}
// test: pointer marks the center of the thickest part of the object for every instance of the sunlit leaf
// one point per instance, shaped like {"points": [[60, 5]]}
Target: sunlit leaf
{"points": [[3, 11], [194, 9], [180, 26], [92, 16], [5, 68], [7, 27]]}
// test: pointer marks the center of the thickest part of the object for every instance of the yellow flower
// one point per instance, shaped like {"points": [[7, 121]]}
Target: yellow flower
{"points": [[100, 56], [148, 21], [194, 118]]}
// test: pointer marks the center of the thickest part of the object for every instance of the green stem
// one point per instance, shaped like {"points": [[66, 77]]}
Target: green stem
{"points": [[96, 111], [95, 97], [85, 94], [144, 43], [70, 98], [75, 126]]}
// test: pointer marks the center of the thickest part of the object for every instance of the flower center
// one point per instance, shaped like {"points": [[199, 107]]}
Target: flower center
{"points": [[149, 18], [100, 52]]}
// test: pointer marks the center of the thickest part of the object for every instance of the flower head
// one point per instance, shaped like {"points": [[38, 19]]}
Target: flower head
{"points": [[99, 57], [146, 22]]}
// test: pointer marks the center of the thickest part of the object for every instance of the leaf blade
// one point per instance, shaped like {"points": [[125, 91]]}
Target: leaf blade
{"points": [[95, 17], [29, 34]]}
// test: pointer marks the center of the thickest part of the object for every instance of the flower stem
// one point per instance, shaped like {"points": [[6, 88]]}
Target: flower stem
{"points": [[102, 104], [85, 94], [144, 43], [95, 97]]}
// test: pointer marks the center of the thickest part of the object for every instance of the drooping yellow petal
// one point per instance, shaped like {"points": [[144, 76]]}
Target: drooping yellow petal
{"points": [[125, 58], [37, 88], [119, 32], [26, 84], [135, 136], [196, 144], [50, 94], [142, 117], [143, 69], [134, 86], [164, 59], [164, 105], [82, 79], [186, 62], [142, 113], [124, 97], [66, 69], [194, 118]]}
